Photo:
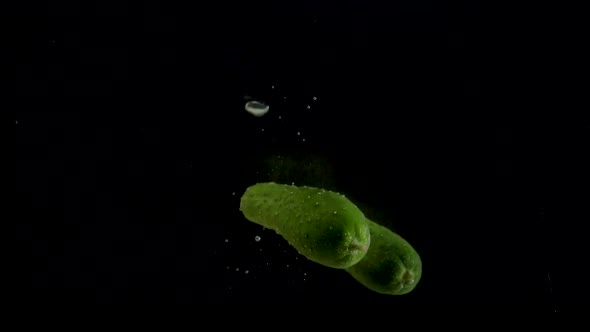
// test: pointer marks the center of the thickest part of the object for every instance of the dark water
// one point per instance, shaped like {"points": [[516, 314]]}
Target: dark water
{"points": [[134, 148]]}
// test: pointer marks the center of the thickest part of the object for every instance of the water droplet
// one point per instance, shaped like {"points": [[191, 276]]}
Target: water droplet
{"points": [[257, 238]]}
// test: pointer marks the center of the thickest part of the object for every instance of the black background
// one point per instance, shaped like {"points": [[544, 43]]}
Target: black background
{"points": [[133, 147]]}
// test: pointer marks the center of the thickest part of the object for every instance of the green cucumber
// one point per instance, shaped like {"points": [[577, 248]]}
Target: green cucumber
{"points": [[391, 265], [324, 226]]}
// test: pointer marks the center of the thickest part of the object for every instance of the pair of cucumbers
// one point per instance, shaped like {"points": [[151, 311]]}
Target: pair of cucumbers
{"points": [[327, 228]]}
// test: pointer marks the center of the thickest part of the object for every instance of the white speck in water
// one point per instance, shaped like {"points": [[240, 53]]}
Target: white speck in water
{"points": [[285, 97], [308, 107], [308, 196], [330, 227], [303, 139], [290, 192], [246, 272], [279, 117], [335, 212], [272, 86], [226, 240], [237, 269], [315, 98], [233, 194], [16, 121], [287, 265], [298, 133], [227, 267], [304, 273], [256, 108], [262, 129], [292, 183], [257, 238], [260, 249], [319, 192], [317, 203]]}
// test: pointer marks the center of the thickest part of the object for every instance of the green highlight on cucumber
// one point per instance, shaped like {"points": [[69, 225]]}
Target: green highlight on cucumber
{"points": [[322, 225]]}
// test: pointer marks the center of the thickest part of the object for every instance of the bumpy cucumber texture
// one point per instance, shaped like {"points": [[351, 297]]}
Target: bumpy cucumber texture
{"points": [[391, 265], [322, 225]]}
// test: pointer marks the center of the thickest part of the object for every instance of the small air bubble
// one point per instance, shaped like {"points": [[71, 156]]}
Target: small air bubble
{"points": [[303, 139], [287, 265], [335, 212], [226, 240], [304, 273], [308, 107], [237, 269], [279, 117], [257, 238], [233, 194], [246, 272], [262, 129], [298, 133], [315, 98]]}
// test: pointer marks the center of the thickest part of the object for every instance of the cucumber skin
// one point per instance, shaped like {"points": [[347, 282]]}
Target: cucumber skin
{"points": [[322, 225], [390, 263]]}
